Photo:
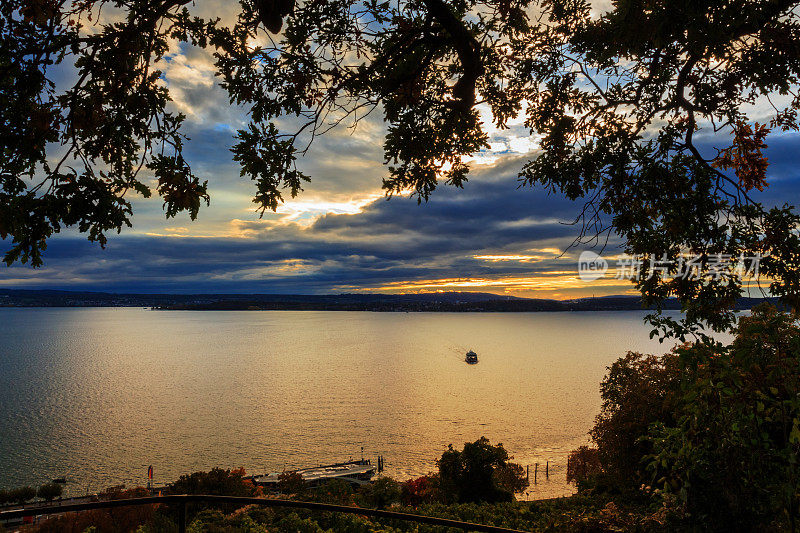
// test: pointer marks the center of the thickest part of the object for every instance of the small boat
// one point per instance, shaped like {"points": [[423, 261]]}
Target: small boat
{"points": [[471, 358]]}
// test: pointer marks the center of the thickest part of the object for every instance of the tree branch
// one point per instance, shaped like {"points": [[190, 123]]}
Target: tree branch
{"points": [[467, 48]]}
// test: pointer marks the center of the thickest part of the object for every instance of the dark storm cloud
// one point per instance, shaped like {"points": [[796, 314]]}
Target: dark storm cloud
{"points": [[389, 241]]}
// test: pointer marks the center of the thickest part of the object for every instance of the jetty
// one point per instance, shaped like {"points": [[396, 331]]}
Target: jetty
{"points": [[358, 472]]}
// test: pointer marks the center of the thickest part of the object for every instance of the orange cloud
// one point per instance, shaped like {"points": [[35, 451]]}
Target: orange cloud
{"points": [[553, 284]]}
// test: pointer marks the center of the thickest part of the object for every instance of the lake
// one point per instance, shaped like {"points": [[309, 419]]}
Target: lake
{"points": [[98, 394]]}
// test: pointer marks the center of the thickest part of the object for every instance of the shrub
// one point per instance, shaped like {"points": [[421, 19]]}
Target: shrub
{"points": [[381, 493], [421, 490], [291, 483], [732, 455], [50, 491], [22, 494], [638, 391], [582, 464], [479, 472]]}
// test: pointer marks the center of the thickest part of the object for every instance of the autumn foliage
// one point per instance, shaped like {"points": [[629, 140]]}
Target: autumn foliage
{"points": [[711, 429], [290, 482], [583, 463], [746, 157], [105, 520], [419, 490]]}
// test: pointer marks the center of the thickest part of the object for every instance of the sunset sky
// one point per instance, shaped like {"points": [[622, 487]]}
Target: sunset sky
{"points": [[341, 234]]}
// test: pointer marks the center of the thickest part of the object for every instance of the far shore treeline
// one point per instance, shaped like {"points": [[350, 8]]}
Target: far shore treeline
{"points": [[418, 302]]}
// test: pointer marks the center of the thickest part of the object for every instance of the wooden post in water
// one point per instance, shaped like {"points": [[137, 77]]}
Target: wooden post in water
{"points": [[528, 473], [547, 469], [535, 473]]}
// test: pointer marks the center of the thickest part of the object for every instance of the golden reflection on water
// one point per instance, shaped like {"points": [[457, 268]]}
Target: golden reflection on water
{"points": [[100, 394]]}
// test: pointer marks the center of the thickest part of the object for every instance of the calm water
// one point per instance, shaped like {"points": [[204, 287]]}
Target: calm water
{"points": [[99, 394]]}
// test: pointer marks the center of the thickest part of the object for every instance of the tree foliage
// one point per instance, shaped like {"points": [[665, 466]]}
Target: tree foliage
{"points": [[715, 426], [732, 454], [625, 106], [336, 491], [638, 391], [381, 493], [128, 518], [622, 125], [219, 481], [216, 481], [21, 494], [479, 472], [291, 482], [423, 489], [50, 491], [582, 464]]}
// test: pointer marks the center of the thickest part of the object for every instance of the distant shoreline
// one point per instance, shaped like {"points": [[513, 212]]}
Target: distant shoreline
{"points": [[451, 302]]}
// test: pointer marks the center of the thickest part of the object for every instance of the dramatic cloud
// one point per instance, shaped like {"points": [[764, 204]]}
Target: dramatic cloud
{"points": [[341, 234], [491, 236]]}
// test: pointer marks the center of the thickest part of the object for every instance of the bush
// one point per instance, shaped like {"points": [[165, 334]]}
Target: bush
{"points": [[732, 455], [379, 494], [421, 490], [582, 464], [50, 491], [639, 391], [291, 483], [479, 472], [22, 494]]}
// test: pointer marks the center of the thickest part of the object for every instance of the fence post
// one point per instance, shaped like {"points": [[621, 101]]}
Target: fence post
{"points": [[182, 517]]}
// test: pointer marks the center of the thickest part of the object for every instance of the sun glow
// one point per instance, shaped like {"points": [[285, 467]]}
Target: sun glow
{"points": [[306, 211], [552, 284]]}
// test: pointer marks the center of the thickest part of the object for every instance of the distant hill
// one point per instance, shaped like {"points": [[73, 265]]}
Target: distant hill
{"points": [[436, 301]]}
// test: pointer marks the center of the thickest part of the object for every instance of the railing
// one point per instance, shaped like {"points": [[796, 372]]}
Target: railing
{"points": [[183, 499]]}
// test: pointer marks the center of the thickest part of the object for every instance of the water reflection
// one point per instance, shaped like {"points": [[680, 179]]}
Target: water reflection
{"points": [[100, 394]]}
